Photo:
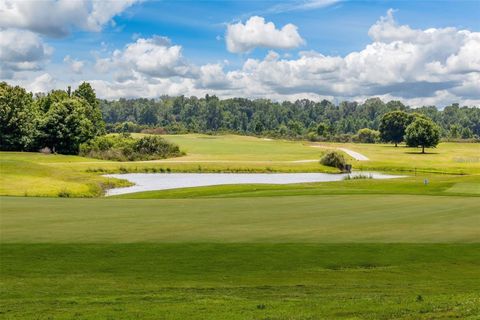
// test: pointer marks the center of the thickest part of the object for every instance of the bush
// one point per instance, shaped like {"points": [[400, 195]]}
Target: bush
{"points": [[124, 147], [366, 135], [333, 159]]}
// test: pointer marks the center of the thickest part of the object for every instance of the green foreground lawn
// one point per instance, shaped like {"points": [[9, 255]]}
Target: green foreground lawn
{"points": [[240, 281], [316, 219], [297, 257]]}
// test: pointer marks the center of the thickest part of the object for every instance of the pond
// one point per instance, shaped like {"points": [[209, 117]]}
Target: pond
{"points": [[164, 181]]}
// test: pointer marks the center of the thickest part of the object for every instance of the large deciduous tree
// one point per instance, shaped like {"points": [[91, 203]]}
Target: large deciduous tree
{"points": [[66, 125], [92, 111], [393, 124], [17, 118], [422, 132]]}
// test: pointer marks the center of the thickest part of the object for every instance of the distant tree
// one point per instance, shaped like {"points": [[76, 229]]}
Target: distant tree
{"points": [[66, 125], [454, 131], [396, 105], [148, 115], [422, 132], [322, 129], [366, 135], [393, 125], [18, 118], [467, 133], [92, 111]]}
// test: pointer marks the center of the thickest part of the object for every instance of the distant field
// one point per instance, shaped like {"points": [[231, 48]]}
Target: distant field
{"points": [[35, 174]]}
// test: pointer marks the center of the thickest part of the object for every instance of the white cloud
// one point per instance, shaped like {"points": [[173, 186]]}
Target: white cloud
{"points": [[21, 51], [432, 66], [155, 57], [58, 17], [258, 33], [42, 83], [76, 66], [302, 5]]}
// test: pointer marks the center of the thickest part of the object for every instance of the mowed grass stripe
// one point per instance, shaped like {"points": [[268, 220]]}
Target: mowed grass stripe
{"points": [[240, 281], [320, 219]]}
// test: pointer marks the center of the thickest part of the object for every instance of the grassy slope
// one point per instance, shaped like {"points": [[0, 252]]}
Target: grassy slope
{"points": [[35, 174], [39, 175]]}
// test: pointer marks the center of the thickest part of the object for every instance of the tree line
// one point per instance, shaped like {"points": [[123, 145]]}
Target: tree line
{"points": [[62, 120], [58, 121], [305, 119]]}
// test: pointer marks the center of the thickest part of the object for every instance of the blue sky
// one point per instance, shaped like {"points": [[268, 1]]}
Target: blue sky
{"points": [[330, 30], [197, 25]]}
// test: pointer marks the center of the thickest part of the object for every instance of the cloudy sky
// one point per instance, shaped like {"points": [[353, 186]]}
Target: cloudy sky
{"points": [[420, 52]]}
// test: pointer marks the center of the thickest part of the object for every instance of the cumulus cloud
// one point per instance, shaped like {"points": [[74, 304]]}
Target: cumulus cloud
{"points": [[58, 17], [420, 67], [21, 50], [258, 33], [401, 62], [155, 57], [76, 66], [43, 83]]}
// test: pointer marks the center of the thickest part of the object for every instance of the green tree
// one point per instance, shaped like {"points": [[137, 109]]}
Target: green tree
{"points": [[422, 132], [322, 129], [366, 135], [467, 133], [92, 111], [393, 125], [454, 131], [18, 118], [66, 125]]}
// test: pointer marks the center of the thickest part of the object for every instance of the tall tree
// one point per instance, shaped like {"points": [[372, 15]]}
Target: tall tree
{"points": [[18, 118], [66, 125], [93, 112], [422, 132], [393, 125]]}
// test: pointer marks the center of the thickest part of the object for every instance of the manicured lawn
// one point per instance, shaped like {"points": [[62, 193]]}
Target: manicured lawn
{"points": [[320, 219], [357, 249], [240, 281], [462, 158]]}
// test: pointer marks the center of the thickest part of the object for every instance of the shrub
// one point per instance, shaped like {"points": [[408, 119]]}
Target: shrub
{"points": [[124, 147], [333, 159], [366, 135], [156, 147]]}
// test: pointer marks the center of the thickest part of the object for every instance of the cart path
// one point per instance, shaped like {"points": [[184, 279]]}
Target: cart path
{"points": [[355, 155]]}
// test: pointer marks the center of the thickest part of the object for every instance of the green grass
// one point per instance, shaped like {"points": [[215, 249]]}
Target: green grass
{"points": [[240, 281], [35, 174], [296, 257], [321, 219], [358, 249], [448, 157], [438, 184]]}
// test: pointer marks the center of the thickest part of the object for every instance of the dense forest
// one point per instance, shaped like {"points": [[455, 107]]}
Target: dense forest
{"points": [[300, 119]]}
